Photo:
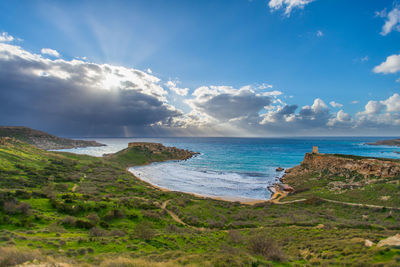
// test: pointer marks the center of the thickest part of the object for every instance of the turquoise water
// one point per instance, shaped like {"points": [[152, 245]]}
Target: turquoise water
{"points": [[235, 167]]}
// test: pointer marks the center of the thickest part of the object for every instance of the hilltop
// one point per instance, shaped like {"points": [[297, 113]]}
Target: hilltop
{"points": [[58, 207], [43, 140]]}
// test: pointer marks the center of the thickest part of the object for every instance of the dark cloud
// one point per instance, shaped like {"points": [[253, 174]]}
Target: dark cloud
{"points": [[230, 105], [68, 97]]}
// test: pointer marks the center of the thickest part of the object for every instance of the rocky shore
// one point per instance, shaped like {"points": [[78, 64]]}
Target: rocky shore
{"points": [[355, 171]]}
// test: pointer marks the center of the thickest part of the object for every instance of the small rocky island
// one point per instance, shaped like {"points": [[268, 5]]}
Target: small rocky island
{"points": [[391, 142], [43, 140]]}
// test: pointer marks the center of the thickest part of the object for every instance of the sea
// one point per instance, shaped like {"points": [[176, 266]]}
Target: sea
{"points": [[237, 168]]}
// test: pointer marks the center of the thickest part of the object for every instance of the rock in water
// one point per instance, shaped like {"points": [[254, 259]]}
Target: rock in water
{"points": [[279, 169]]}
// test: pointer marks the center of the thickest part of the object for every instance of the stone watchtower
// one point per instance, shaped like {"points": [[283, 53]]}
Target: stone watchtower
{"points": [[315, 150]]}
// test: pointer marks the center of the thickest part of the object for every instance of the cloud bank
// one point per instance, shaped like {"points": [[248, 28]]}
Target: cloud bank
{"points": [[81, 98]]}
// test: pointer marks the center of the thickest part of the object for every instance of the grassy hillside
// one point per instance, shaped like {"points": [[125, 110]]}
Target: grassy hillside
{"points": [[82, 210], [43, 140]]}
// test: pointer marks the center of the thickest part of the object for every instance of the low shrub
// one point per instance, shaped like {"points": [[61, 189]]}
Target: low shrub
{"points": [[84, 224], [93, 217], [97, 232], [145, 231], [11, 256], [68, 221], [266, 247]]}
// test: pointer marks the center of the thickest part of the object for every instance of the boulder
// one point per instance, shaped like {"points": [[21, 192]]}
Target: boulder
{"points": [[279, 169], [368, 243], [392, 241], [286, 188]]}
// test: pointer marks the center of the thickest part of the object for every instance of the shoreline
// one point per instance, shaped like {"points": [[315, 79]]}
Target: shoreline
{"points": [[242, 200]]}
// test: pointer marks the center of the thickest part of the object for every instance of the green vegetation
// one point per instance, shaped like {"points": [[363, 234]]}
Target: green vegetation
{"points": [[82, 210], [41, 139]]}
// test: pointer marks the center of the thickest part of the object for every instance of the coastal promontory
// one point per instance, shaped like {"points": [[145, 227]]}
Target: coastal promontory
{"points": [[391, 142], [43, 140]]}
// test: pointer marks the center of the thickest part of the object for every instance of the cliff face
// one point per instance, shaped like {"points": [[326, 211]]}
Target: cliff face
{"points": [[343, 172], [343, 164]]}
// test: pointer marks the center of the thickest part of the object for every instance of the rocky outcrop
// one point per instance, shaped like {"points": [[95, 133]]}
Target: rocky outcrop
{"points": [[391, 142], [157, 148], [43, 140], [393, 241], [355, 171], [343, 165]]}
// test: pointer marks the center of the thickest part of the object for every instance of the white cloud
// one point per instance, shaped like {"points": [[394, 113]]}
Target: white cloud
{"points": [[288, 5], [342, 118], [265, 86], [5, 37], [172, 85], [364, 59], [50, 52], [81, 58], [319, 105], [320, 33], [373, 107], [335, 104], [391, 65], [392, 103], [272, 93], [392, 22], [354, 102], [149, 71]]}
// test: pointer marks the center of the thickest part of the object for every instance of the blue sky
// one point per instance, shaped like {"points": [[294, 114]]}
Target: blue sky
{"points": [[311, 52]]}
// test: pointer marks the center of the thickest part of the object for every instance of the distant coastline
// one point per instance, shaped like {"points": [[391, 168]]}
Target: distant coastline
{"points": [[389, 142], [44, 140]]}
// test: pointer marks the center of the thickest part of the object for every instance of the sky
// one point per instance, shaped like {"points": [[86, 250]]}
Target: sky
{"points": [[245, 68]]}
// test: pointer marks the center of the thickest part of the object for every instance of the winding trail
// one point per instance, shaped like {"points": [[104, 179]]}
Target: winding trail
{"points": [[360, 204], [279, 195], [173, 215]]}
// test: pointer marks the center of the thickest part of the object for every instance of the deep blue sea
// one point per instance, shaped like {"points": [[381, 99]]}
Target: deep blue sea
{"points": [[235, 167]]}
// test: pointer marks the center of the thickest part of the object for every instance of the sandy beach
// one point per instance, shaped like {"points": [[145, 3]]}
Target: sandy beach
{"points": [[247, 201]]}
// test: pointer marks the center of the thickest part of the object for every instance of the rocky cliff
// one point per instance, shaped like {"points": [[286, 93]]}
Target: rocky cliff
{"points": [[343, 164], [43, 140], [343, 171]]}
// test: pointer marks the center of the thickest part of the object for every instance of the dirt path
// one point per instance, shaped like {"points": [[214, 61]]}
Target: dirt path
{"points": [[360, 204], [278, 195], [74, 187], [173, 215], [177, 219]]}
